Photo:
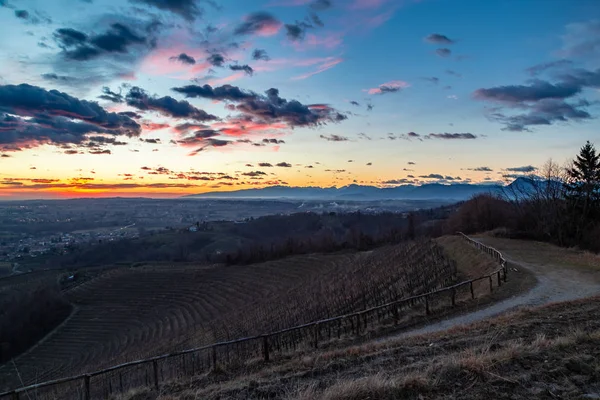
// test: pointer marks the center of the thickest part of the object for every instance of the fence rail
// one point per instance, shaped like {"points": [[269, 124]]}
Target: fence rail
{"points": [[151, 371]]}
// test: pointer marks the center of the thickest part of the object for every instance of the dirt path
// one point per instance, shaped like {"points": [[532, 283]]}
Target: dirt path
{"points": [[562, 275]]}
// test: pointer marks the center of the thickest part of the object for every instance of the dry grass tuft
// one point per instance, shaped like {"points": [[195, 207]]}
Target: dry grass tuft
{"points": [[372, 387]]}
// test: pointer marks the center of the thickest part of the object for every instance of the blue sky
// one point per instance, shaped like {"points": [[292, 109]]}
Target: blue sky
{"points": [[377, 92]]}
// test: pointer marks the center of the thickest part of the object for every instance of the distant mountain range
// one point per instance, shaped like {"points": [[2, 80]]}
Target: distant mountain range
{"points": [[429, 191]]}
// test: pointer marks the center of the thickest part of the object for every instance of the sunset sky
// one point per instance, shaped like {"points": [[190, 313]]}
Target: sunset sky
{"points": [[169, 97]]}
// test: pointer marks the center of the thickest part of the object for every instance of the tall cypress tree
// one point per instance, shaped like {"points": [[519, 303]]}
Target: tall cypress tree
{"points": [[583, 189]]}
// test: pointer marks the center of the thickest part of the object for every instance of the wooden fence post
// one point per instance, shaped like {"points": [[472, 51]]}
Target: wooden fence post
{"points": [[453, 297], [491, 284], [472, 291], [86, 392], [155, 367], [214, 357], [499, 280], [266, 348]]}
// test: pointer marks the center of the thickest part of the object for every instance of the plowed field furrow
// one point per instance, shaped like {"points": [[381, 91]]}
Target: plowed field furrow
{"points": [[131, 313]]}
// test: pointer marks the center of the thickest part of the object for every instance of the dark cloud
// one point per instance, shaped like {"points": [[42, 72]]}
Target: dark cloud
{"points": [[211, 142], [119, 39], [138, 98], [34, 19], [514, 176], [453, 73], [543, 112], [105, 151], [273, 141], [316, 20], [266, 109], [401, 181], [216, 60], [433, 79], [58, 78], [369, 163], [259, 54], [246, 68], [254, 173], [370, 107], [525, 168], [437, 38], [411, 163], [443, 52], [413, 135], [451, 136], [537, 90], [284, 165], [363, 135], [256, 23], [481, 169], [199, 137], [95, 141], [23, 14], [334, 138], [432, 176], [543, 103], [296, 31], [68, 37], [187, 9], [265, 165], [539, 68], [111, 96], [355, 103], [321, 5], [31, 115], [225, 92], [184, 59]]}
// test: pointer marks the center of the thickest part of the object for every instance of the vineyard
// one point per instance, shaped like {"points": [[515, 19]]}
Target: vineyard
{"points": [[128, 314]]}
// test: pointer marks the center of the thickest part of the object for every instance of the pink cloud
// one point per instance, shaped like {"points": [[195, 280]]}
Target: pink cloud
{"points": [[389, 87], [269, 30], [330, 41], [379, 19], [327, 63], [227, 79], [240, 127], [158, 63]]}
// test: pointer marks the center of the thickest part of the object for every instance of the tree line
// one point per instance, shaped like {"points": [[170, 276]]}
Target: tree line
{"points": [[559, 204]]}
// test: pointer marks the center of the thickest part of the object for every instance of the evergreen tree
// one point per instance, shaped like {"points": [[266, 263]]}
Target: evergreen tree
{"points": [[583, 188]]}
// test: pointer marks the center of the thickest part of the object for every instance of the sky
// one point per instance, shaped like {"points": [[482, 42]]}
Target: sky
{"points": [[162, 98]]}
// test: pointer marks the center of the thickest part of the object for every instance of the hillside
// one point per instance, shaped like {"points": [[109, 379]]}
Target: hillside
{"points": [[126, 314], [547, 352]]}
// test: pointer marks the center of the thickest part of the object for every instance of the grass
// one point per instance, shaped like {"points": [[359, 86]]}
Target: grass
{"points": [[546, 352], [5, 268], [545, 253]]}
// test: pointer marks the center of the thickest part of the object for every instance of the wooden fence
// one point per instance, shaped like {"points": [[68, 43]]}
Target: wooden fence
{"points": [[152, 371]]}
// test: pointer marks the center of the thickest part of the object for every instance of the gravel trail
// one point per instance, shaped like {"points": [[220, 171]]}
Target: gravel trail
{"points": [[556, 282]]}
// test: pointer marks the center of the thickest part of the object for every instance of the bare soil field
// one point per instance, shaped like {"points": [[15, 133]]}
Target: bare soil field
{"points": [[130, 313]]}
